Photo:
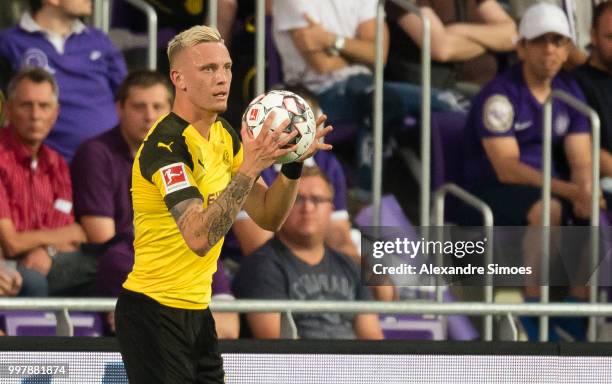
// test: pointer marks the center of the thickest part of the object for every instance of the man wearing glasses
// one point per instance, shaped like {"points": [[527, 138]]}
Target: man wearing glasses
{"points": [[504, 138], [297, 265]]}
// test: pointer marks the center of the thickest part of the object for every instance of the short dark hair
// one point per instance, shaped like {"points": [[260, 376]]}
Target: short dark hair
{"points": [[599, 11], [144, 79], [35, 6], [35, 75], [315, 171]]}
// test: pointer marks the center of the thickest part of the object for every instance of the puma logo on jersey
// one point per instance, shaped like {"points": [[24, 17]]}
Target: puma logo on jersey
{"points": [[163, 145]]}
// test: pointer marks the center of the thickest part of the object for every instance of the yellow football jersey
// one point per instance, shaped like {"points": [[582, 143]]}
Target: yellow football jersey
{"points": [[173, 164]]}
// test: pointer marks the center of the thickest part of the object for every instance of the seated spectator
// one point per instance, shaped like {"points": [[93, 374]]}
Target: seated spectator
{"points": [[504, 137], [579, 14], [464, 37], [297, 265], [338, 236], [504, 128], [329, 47], [595, 79], [101, 171], [36, 223], [87, 66]]}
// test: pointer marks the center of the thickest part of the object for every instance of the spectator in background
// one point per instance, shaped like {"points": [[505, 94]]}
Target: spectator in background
{"points": [[465, 35], [36, 223], [87, 66], [102, 170], [297, 265], [329, 47], [504, 128], [579, 14], [338, 236], [595, 78], [504, 141]]}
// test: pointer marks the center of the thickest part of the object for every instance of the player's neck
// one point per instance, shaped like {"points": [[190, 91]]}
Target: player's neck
{"points": [[52, 20], [200, 120]]}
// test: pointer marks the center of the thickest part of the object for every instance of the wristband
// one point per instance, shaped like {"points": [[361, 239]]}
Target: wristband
{"points": [[293, 170]]}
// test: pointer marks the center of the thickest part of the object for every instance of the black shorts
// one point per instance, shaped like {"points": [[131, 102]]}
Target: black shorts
{"points": [[160, 344], [510, 204]]}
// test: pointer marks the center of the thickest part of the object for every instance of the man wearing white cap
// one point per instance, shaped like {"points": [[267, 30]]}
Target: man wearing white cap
{"points": [[504, 133]]}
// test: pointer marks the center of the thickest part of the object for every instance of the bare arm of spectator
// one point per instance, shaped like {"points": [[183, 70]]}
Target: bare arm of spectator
{"points": [[10, 281], [98, 229], [227, 325], [339, 238], [606, 163], [497, 33], [226, 17], [264, 325], [445, 46], [578, 153], [504, 154], [314, 41], [250, 236], [362, 49], [367, 327], [15, 243]]}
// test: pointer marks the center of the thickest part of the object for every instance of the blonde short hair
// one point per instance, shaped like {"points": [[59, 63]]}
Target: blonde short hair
{"points": [[191, 37]]}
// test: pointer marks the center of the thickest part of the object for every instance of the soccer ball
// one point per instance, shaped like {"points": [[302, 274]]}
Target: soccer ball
{"points": [[287, 106]]}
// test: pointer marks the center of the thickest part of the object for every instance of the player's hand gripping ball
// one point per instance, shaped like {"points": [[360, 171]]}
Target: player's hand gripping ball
{"points": [[286, 106]]}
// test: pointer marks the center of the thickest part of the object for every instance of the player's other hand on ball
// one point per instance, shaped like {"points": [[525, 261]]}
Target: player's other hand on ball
{"points": [[262, 151], [318, 142]]}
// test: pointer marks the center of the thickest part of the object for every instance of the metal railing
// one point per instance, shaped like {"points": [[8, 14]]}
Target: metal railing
{"points": [[101, 14], [211, 18], [61, 306], [584, 109], [425, 195], [101, 20], [487, 217]]}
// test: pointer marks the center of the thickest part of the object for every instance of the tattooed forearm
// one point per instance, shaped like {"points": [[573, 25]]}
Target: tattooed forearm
{"points": [[202, 229], [230, 203]]}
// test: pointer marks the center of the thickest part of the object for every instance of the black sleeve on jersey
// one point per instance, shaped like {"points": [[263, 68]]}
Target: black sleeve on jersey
{"points": [[235, 136], [172, 199], [164, 146]]}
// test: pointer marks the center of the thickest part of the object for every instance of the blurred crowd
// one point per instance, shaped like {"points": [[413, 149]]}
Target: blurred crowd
{"points": [[77, 104]]}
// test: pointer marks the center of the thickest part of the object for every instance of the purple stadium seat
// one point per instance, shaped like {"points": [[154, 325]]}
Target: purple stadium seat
{"points": [[415, 326], [446, 147], [392, 215], [36, 323], [412, 327]]}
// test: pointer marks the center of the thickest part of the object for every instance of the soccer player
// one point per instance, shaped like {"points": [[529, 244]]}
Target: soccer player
{"points": [[190, 178]]}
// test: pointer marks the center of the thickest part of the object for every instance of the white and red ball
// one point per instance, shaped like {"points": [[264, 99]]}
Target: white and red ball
{"points": [[287, 106]]}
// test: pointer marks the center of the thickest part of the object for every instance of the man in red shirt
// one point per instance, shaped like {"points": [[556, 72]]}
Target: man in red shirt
{"points": [[37, 226]]}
